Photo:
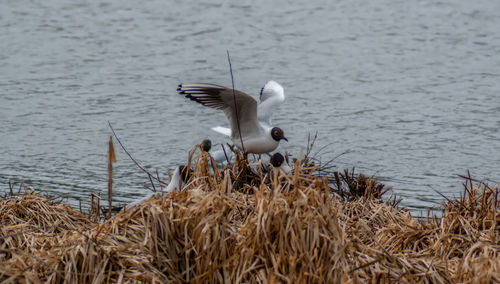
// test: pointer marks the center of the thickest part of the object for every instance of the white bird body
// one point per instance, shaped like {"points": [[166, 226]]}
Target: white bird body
{"points": [[241, 111], [175, 184], [276, 161], [285, 168], [220, 158], [259, 143]]}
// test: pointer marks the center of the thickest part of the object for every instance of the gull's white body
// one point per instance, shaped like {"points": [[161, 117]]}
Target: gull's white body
{"points": [[175, 183], [267, 164], [220, 157], [285, 168], [259, 143]]}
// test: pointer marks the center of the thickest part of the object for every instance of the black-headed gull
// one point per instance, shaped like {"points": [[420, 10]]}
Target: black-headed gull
{"points": [[257, 135], [278, 161], [220, 156]]}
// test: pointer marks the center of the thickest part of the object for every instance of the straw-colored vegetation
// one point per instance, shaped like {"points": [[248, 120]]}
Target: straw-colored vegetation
{"points": [[240, 225]]}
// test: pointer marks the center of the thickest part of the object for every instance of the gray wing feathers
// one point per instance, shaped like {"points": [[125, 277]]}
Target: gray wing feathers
{"points": [[222, 98]]}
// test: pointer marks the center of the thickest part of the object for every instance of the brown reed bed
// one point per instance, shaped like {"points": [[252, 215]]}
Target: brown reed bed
{"points": [[242, 225]]}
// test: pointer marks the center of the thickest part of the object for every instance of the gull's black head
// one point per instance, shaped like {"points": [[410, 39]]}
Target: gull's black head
{"points": [[277, 160], [277, 134], [206, 145]]}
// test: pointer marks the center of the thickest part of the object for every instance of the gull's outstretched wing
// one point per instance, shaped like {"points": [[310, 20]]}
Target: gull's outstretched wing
{"points": [[222, 98], [272, 96]]}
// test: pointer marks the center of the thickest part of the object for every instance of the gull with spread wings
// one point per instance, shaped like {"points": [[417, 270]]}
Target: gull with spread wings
{"points": [[246, 125]]}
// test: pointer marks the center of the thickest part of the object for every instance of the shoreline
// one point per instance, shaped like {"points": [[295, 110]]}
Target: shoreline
{"points": [[237, 226]]}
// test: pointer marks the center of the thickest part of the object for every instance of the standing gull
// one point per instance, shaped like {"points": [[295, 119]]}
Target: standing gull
{"points": [[258, 137]]}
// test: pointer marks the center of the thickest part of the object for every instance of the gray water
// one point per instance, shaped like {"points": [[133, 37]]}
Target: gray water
{"points": [[409, 89]]}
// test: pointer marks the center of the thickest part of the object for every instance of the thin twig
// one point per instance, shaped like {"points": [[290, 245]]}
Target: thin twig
{"points": [[322, 148], [365, 265], [442, 195], [310, 145], [325, 165], [152, 183], [10, 188], [234, 99], [225, 154], [151, 176]]}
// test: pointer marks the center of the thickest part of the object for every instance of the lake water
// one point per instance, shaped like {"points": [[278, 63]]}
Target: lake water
{"points": [[410, 89]]}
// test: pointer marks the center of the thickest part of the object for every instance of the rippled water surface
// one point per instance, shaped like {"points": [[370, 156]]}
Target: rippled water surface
{"points": [[409, 89]]}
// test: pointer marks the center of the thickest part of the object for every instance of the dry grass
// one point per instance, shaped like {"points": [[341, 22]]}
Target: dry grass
{"points": [[241, 225]]}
